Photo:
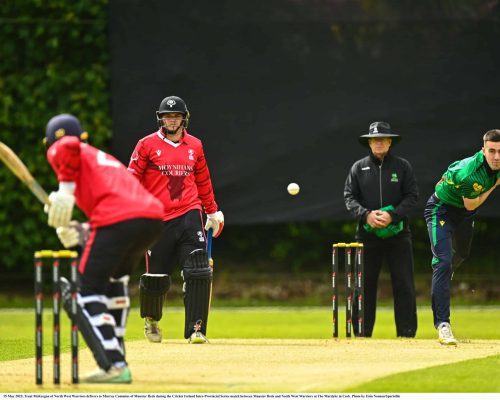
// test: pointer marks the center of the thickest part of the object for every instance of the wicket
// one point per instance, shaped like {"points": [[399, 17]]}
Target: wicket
{"points": [[354, 290], [72, 257]]}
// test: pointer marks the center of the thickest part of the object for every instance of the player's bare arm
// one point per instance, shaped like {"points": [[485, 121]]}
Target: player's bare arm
{"points": [[472, 204]]}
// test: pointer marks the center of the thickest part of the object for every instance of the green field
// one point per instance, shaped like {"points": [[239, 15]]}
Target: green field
{"points": [[237, 325]]}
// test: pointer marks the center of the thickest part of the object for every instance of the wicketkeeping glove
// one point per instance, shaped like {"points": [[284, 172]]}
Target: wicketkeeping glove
{"points": [[216, 222], [75, 234]]}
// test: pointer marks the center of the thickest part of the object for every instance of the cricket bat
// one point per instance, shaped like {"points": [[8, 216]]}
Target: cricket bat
{"points": [[14, 163], [210, 261]]}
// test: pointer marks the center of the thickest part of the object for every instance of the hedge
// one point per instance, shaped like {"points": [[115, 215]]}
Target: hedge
{"points": [[55, 59]]}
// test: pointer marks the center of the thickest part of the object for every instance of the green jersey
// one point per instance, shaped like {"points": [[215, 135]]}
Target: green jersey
{"points": [[466, 178]]}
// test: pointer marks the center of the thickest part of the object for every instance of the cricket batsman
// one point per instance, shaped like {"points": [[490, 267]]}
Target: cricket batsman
{"points": [[125, 220], [171, 164]]}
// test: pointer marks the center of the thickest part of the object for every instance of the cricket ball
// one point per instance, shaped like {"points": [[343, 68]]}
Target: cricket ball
{"points": [[293, 189]]}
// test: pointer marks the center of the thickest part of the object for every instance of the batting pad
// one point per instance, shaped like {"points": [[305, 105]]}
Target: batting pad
{"points": [[197, 277], [153, 288], [85, 327], [118, 305]]}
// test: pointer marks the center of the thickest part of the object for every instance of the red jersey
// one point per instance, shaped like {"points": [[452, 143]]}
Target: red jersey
{"points": [[175, 173], [105, 191]]}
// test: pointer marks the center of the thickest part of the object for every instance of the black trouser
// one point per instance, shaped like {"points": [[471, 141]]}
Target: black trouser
{"points": [[111, 252], [398, 253], [115, 250], [179, 238]]}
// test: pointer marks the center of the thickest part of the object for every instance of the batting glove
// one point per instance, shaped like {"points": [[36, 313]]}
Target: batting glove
{"points": [[75, 234], [61, 205], [216, 222]]}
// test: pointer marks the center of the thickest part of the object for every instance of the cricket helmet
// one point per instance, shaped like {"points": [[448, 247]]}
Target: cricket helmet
{"points": [[63, 125], [172, 104], [379, 130]]}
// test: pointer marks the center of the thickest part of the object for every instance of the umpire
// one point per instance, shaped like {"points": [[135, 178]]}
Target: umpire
{"points": [[379, 192]]}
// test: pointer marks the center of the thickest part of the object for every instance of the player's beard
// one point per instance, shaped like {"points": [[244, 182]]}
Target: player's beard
{"points": [[169, 132]]}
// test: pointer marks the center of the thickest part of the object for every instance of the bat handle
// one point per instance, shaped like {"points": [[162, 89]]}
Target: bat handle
{"points": [[209, 245]]}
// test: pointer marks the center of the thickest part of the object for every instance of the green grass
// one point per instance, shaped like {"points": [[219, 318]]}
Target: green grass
{"points": [[469, 323], [462, 377], [267, 323], [270, 322], [315, 322]]}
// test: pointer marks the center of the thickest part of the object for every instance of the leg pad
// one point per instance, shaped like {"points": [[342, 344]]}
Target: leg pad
{"points": [[85, 327], [119, 305], [197, 277], [153, 288]]}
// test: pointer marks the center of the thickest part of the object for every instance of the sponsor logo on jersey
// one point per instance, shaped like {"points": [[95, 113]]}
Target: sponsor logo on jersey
{"points": [[442, 222], [158, 152], [394, 177], [176, 169], [477, 187]]}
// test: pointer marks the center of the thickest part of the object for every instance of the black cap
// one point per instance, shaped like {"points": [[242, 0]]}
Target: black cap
{"points": [[379, 130]]}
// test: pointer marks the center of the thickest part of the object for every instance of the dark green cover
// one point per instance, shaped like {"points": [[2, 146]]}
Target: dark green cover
{"points": [[387, 232]]}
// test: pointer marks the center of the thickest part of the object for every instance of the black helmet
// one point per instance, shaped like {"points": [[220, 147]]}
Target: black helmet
{"points": [[63, 125], [172, 104]]}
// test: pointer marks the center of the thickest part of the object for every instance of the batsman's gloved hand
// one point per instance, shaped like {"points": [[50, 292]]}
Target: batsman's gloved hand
{"points": [[75, 234], [216, 222], [61, 205]]}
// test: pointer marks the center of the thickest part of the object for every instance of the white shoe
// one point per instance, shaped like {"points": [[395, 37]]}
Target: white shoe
{"points": [[114, 375], [445, 335], [198, 338], [152, 330]]}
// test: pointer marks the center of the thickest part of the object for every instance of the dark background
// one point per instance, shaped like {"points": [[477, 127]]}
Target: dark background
{"points": [[280, 90]]}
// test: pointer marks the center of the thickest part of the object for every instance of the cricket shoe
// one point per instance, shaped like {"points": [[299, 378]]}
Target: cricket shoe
{"points": [[446, 337], [198, 338], [152, 330], [113, 375]]}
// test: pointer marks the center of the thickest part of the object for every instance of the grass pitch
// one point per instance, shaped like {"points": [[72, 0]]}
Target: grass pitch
{"points": [[274, 350]]}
